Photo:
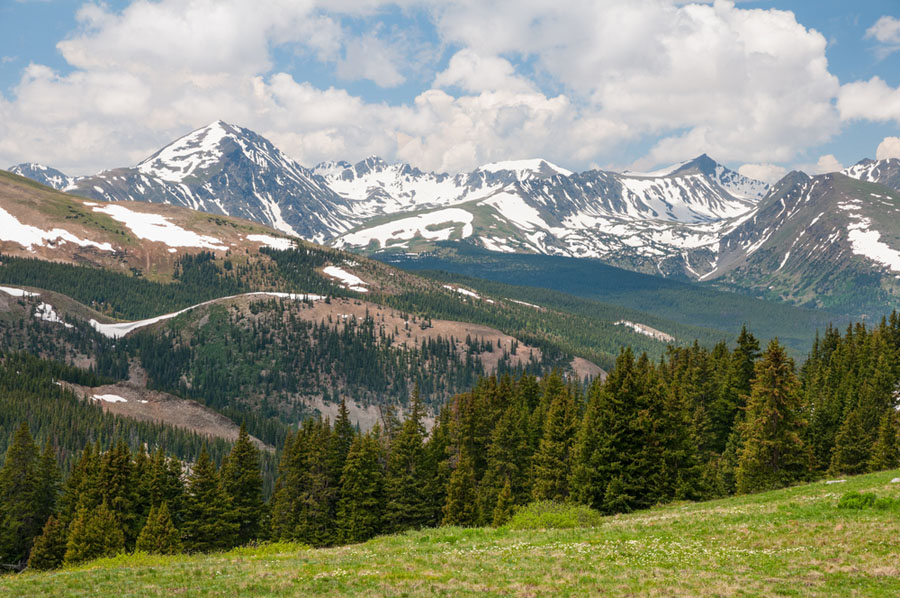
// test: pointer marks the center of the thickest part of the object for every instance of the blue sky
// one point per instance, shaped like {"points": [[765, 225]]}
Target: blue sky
{"points": [[763, 86]]}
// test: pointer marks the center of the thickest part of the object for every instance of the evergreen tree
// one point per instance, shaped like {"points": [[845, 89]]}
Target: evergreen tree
{"points": [[886, 451], [159, 535], [49, 478], [50, 547], [361, 506], [242, 481], [552, 461], [461, 493], [208, 524], [773, 453], [93, 534], [405, 480], [505, 507], [20, 497], [851, 446], [118, 489]]}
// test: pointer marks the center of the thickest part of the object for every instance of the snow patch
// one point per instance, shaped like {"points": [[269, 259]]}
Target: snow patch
{"points": [[154, 227], [646, 330], [46, 313], [18, 292], [110, 398], [348, 280], [273, 242], [433, 226], [28, 236]]}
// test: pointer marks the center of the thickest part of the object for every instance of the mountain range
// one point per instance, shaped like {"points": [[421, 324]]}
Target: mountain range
{"points": [[826, 241]]}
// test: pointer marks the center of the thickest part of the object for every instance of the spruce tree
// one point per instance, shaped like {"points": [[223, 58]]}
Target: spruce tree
{"points": [[461, 493], [360, 510], [552, 461], [208, 523], [773, 453], [505, 507], [50, 547], [93, 534], [242, 481], [20, 498], [405, 480], [851, 446], [886, 450], [159, 536]]}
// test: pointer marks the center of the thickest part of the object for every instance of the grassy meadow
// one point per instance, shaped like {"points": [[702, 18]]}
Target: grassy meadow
{"points": [[792, 542]]}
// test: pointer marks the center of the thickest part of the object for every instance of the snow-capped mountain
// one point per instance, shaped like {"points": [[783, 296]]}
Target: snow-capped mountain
{"points": [[43, 174], [643, 221], [828, 241], [226, 169], [884, 172]]}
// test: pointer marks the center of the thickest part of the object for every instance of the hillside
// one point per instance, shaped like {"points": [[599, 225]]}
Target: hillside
{"points": [[794, 541]]}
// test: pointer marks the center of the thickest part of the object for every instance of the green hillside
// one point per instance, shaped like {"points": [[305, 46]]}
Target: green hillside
{"points": [[687, 304], [791, 542]]}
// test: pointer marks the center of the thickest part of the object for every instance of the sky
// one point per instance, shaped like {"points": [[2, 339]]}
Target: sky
{"points": [[762, 86]]}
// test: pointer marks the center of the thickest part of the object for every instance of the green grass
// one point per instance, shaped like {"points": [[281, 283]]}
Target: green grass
{"points": [[792, 542]]}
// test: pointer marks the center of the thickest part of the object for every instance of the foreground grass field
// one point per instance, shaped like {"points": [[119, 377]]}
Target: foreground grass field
{"points": [[793, 542]]}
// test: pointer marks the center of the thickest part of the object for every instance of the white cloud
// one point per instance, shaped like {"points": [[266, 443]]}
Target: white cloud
{"points": [[888, 148], [826, 164], [769, 173], [869, 100], [886, 31], [567, 81]]}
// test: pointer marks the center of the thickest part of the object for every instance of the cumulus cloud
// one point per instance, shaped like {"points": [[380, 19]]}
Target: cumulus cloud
{"points": [[888, 148], [869, 100], [827, 163], [886, 31], [572, 83], [769, 173]]}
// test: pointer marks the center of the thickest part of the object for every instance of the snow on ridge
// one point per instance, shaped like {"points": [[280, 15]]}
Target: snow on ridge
{"points": [[109, 398], [28, 236], [524, 167], [666, 171], [348, 280], [270, 241], [120, 329], [18, 292], [867, 243], [467, 293], [427, 225], [646, 330], [180, 159], [158, 228]]}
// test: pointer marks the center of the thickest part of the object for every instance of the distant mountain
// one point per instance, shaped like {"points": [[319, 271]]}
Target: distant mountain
{"points": [[229, 170], [826, 241], [43, 174], [643, 221], [883, 172]]}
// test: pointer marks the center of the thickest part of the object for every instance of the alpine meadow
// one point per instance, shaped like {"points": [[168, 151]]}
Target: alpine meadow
{"points": [[580, 298]]}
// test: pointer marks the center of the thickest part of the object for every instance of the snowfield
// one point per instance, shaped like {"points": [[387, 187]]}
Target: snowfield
{"points": [[434, 226], [348, 280], [154, 227], [270, 241], [110, 398], [28, 236]]}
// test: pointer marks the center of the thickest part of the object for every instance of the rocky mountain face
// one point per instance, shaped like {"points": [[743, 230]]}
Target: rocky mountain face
{"points": [[696, 220]]}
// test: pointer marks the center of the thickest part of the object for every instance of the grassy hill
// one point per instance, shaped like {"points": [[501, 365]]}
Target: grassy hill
{"points": [[791, 542]]}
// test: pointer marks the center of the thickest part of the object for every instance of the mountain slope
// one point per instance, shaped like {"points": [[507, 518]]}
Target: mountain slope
{"points": [[829, 241], [226, 169], [883, 172], [43, 175]]}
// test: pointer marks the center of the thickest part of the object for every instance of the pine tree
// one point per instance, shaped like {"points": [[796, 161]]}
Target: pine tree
{"points": [[505, 507], [208, 523], [885, 451], [159, 536], [20, 495], [405, 480], [773, 453], [360, 510], [242, 481], [851, 446], [93, 534], [461, 493], [49, 478], [552, 461], [50, 547], [118, 489]]}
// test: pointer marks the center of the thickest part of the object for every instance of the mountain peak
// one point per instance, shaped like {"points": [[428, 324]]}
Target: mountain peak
{"points": [[527, 168]]}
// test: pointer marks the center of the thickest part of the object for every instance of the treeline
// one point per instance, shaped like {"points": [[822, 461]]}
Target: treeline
{"points": [[699, 423], [116, 500], [31, 392]]}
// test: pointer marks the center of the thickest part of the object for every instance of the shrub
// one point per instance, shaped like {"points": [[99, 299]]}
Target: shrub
{"points": [[553, 515], [855, 500]]}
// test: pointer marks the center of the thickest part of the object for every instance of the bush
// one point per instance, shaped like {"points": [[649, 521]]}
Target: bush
{"points": [[869, 500], [553, 515]]}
